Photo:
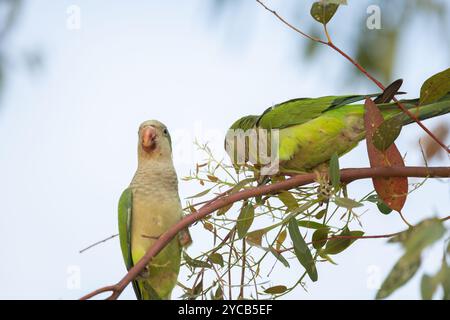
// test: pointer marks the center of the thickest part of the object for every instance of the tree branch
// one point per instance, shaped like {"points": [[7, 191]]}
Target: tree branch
{"points": [[330, 44], [347, 176]]}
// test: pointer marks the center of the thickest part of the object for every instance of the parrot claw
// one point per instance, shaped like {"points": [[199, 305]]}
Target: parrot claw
{"points": [[185, 238], [144, 274]]}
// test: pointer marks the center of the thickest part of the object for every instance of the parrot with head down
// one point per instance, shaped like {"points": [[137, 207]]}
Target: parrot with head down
{"points": [[311, 130], [147, 208]]}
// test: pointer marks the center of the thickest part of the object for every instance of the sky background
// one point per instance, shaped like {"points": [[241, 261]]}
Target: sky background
{"points": [[68, 134]]}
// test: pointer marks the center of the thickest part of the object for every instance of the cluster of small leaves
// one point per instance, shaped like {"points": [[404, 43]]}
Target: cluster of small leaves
{"points": [[291, 231]]}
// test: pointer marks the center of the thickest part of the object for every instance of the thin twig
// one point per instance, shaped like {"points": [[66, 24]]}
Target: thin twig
{"points": [[229, 267], [330, 44], [378, 236], [290, 25], [241, 292], [98, 242]]}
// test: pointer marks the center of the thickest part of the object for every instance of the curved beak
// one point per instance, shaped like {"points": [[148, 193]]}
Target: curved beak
{"points": [[149, 138]]}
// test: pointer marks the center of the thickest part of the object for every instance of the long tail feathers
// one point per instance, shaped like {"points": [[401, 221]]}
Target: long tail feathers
{"points": [[425, 112]]}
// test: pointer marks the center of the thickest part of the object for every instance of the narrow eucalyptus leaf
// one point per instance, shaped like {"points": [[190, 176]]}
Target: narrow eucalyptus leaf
{"points": [[318, 237], [276, 290], [428, 286], [279, 257], [216, 258], [387, 133], [245, 220], [335, 246], [435, 87], [428, 232], [347, 203], [335, 175], [310, 224], [301, 250], [194, 263], [288, 200], [400, 274]]}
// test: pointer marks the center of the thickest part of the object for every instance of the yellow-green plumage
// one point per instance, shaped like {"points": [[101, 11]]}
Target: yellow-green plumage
{"points": [[306, 145], [146, 210]]}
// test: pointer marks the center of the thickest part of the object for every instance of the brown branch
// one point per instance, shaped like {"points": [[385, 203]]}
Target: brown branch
{"points": [[98, 242], [290, 25], [347, 175], [330, 44]]}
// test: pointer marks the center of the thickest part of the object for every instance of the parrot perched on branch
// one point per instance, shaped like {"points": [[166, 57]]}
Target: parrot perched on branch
{"points": [[147, 208], [311, 130]]}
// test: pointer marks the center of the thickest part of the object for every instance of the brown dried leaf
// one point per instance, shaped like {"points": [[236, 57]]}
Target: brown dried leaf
{"points": [[392, 190], [431, 148]]}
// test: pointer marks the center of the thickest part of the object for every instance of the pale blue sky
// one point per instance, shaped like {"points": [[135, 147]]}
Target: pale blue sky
{"points": [[68, 134]]}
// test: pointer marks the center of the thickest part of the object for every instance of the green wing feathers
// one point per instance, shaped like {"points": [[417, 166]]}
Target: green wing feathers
{"points": [[299, 111], [125, 215]]}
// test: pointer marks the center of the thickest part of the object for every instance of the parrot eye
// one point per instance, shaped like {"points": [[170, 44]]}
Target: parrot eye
{"points": [[165, 131]]}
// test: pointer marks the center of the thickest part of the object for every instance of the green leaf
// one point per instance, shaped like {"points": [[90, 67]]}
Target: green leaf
{"points": [[255, 237], [279, 257], [288, 200], [334, 172], [216, 258], [383, 207], [428, 286], [336, 246], [301, 250], [218, 295], [387, 133], [318, 237], [212, 178], [326, 257], [245, 220], [280, 239], [435, 87], [372, 198], [197, 290], [319, 215], [400, 274], [200, 194], [347, 203], [224, 210], [194, 263], [323, 12], [276, 290], [445, 280], [310, 224], [241, 184], [428, 232]]}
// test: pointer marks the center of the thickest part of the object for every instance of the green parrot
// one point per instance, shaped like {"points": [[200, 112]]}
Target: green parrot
{"points": [[147, 208], [311, 130]]}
